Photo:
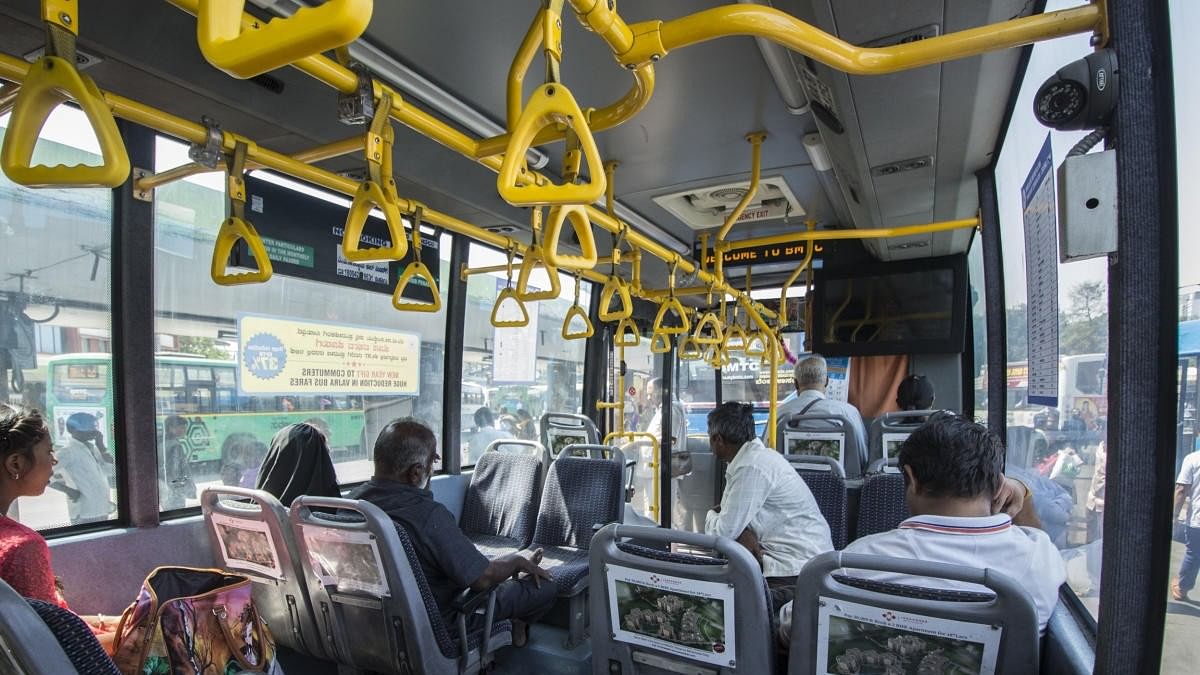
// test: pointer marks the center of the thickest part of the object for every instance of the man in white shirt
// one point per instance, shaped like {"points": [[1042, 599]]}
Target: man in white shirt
{"points": [[764, 494], [812, 378], [960, 501], [1187, 494]]}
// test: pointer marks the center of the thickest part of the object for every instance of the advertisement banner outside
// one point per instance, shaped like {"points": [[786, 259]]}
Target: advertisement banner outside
{"points": [[689, 618], [515, 358], [278, 356]]}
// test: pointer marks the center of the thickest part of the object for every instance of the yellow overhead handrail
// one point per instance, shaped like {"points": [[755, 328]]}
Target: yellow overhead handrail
{"points": [[378, 190], [626, 334], [509, 294], [236, 227], [577, 312], [51, 81], [278, 42], [417, 270], [582, 227]]}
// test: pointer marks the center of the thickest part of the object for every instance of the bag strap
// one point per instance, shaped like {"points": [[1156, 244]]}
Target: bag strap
{"points": [[235, 643], [810, 405]]}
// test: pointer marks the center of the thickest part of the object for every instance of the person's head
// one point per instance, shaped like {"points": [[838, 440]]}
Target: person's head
{"points": [[26, 453], [524, 414], [297, 462], [175, 426], [406, 451], [812, 373], [82, 426], [484, 419], [730, 426], [652, 389], [951, 460], [320, 425], [915, 393]]}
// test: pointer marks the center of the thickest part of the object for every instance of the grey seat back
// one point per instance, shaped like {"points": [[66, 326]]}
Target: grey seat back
{"points": [[280, 588], [501, 499], [580, 492], [520, 446], [27, 646], [824, 478], [558, 430], [822, 434], [837, 620], [891, 428], [655, 611], [372, 584], [599, 451], [882, 502]]}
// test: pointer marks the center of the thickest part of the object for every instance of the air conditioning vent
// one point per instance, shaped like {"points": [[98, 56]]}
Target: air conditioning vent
{"points": [[912, 164], [82, 59], [707, 207]]}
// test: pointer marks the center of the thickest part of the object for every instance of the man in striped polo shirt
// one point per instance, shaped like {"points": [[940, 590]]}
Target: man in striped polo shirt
{"points": [[957, 493]]}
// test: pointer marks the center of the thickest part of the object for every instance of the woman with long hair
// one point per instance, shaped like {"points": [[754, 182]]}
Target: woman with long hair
{"points": [[298, 463]]}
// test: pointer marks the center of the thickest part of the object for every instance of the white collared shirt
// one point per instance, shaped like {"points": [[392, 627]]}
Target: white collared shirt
{"points": [[1023, 554], [763, 492], [1189, 474], [827, 406]]}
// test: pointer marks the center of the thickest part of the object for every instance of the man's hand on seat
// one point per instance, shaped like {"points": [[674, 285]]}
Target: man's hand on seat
{"points": [[749, 540], [531, 565]]}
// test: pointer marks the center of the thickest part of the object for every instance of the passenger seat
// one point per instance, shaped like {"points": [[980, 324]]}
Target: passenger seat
{"points": [[827, 482], [501, 505], [37, 638], [882, 504]]}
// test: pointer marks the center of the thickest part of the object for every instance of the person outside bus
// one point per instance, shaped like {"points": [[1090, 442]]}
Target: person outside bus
{"points": [[81, 461], [404, 456], [1187, 504], [964, 512], [812, 379], [485, 433], [176, 471], [766, 506]]}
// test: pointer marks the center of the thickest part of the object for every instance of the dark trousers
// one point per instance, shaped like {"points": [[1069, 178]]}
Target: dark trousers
{"points": [[523, 599]]}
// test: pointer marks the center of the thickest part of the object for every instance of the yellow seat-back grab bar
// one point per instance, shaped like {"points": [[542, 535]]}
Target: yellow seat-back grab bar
{"points": [[247, 52], [236, 227], [51, 81]]}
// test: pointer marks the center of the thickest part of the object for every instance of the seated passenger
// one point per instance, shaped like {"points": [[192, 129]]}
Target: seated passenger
{"points": [[28, 463], [914, 392], [765, 495], [298, 463], [404, 455], [961, 504], [485, 433], [811, 378]]}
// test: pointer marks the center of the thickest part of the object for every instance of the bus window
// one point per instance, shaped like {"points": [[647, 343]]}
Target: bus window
{"points": [[79, 382]]}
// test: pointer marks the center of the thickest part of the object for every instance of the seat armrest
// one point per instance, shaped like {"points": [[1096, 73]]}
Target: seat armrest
{"points": [[466, 604]]}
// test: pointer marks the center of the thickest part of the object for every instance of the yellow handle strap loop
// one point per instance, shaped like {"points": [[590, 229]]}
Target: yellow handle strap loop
{"points": [[577, 312], [615, 287], [379, 190], [708, 330], [583, 232], [689, 350], [236, 227], [757, 344], [260, 47], [550, 104], [51, 81], [627, 334], [506, 296], [417, 270], [671, 304], [660, 343], [735, 339]]}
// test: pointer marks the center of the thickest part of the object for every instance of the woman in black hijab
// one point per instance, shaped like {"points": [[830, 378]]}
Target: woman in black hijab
{"points": [[296, 464]]}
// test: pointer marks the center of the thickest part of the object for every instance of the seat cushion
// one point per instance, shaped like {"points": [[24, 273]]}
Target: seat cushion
{"points": [[494, 546], [882, 505], [579, 494], [829, 489], [568, 566], [75, 638]]}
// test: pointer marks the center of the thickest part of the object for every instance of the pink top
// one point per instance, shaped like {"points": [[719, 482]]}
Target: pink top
{"points": [[25, 562]]}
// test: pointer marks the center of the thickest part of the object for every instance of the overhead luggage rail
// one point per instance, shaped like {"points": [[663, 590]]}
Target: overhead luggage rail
{"points": [[51, 81], [246, 51]]}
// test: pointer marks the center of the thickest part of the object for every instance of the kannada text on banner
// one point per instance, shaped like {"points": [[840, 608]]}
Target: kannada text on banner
{"points": [[279, 356]]}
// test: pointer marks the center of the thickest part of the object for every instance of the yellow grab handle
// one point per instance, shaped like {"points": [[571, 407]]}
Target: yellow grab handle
{"points": [[719, 358], [671, 304], [689, 350], [708, 330], [50, 82], [614, 286], [588, 329], [231, 230], [756, 344], [419, 270], [583, 232], [660, 343], [627, 334], [506, 295], [735, 339], [369, 195], [522, 290], [280, 41], [551, 104]]}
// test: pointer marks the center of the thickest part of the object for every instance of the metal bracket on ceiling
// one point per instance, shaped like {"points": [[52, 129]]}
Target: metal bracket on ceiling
{"points": [[139, 193], [358, 107], [211, 152]]}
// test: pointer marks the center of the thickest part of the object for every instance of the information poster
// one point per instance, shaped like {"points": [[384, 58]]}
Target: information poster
{"points": [[891, 443], [849, 633], [689, 618], [278, 356], [515, 358], [839, 378], [247, 544], [1041, 277], [346, 559], [822, 443]]}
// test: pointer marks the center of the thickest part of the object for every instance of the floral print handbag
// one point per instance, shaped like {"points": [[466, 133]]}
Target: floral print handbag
{"points": [[190, 621]]}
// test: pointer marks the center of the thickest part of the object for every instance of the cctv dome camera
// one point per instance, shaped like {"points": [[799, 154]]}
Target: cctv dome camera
{"points": [[1081, 95]]}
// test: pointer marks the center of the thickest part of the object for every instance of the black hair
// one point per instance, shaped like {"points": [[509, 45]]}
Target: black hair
{"points": [[732, 421], [915, 392], [483, 417], [951, 456], [21, 428], [403, 443]]}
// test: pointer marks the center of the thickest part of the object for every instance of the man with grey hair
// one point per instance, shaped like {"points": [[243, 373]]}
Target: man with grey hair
{"points": [[404, 456], [812, 377], [766, 506]]}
